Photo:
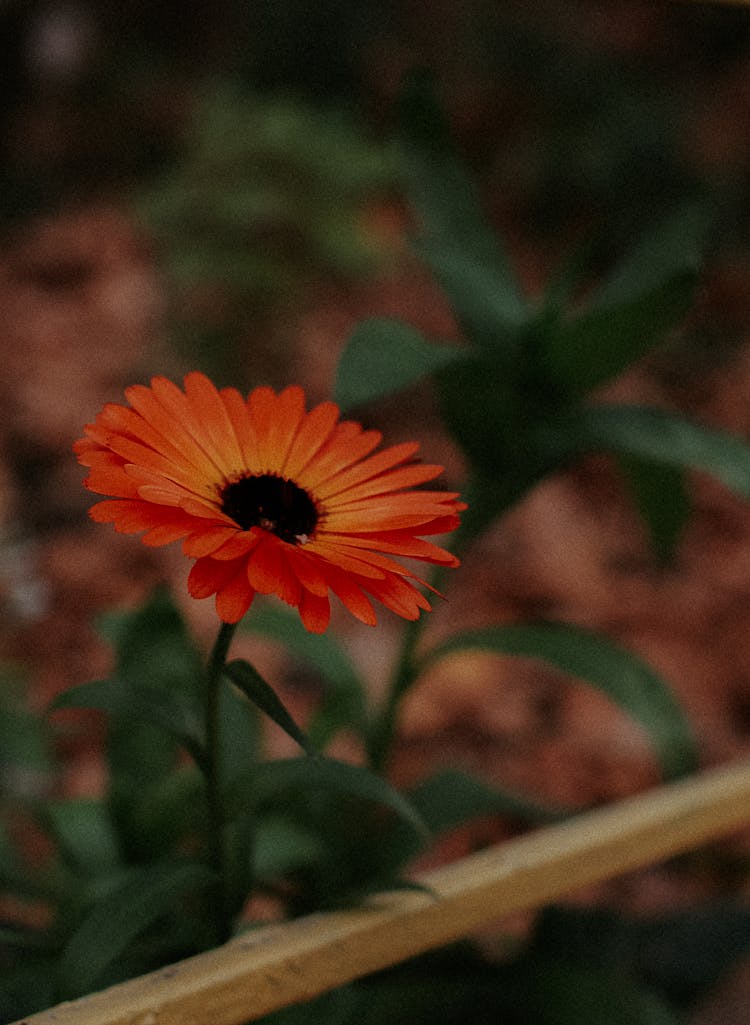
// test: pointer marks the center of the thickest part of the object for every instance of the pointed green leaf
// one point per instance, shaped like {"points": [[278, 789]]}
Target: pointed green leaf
{"points": [[659, 436], [556, 993], [661, 496], [84, 833], [343, 704], [481, 407], [157, 678], [283, 846], [164, 813], [685, 954], [619, 674], [129, 910], [455, 237], [153, 647], [170, 711], [24, 739], [265, 782], [241, 732], [383, 356], [486, 306], [450, 798], [647, 295], [673, 246], [264, 697]]}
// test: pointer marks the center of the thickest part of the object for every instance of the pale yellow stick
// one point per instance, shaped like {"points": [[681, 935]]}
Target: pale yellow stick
{"points": [[281, 965]]}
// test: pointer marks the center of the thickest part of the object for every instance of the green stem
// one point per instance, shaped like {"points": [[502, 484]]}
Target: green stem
{"points": [[217, 834], [383, 730]]}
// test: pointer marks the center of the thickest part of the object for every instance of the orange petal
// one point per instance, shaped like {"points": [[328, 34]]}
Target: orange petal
{"points": [[233, 600], [308, 571], [238, 413], [266, 568], [240, 544], [315, 612], [165, 534], [206, 540], [347, 444], [286, 420], [128, 516], [334, 555], [289, 587], [207, 576], [366, 469], [261, 404], [111, 481], [312, 435], [211, 413], [390, 481], [397, 544], [399, 596], [177, 407], [131, 424], [353, 598], [376, 520], [164, 420]]}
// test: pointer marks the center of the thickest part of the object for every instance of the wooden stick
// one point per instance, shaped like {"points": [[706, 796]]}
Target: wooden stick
{"points": [[275, 966]]}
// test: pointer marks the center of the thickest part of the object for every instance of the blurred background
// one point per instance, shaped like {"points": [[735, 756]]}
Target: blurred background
{"points": [[220, 186]]}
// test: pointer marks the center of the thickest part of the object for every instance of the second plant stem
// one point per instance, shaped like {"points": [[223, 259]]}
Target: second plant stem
{"points": [[217, 826]]}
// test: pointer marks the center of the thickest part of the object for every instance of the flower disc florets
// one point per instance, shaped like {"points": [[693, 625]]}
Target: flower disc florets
{"points": [[273, 503], [268, 498]]}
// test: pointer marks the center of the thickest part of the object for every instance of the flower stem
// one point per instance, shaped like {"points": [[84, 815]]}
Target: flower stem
{"points": [[217, 839], [383, 730]]}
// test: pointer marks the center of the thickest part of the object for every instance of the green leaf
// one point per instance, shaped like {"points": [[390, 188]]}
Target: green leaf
{"points": [[167, 811], [661, 496], [647, 295], [383, 356], [153, 647], [83, 830], [155, 705], [283, 846], [451, 798], [262, 694], [681, 955], [267, 781], [481, 408], [619, 674], [157, 678], [685, 954], [486, 306], [343, 704], [124, 700], [661, 437], [27, 986], [241, 732], [456, 238], [24, 740], [561, 994], [672, 247], [140, 900]]}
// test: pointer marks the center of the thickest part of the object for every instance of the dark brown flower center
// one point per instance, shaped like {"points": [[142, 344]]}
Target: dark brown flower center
{"points": [[273, 503]]}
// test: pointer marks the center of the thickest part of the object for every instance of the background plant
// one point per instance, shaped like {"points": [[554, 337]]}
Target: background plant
{"points": [[533, 367]]}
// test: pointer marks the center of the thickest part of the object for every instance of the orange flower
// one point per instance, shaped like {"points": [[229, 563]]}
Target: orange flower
{"points": [[268, 498]]}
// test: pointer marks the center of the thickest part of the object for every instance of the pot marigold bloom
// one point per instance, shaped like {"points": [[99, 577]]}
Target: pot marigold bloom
{"points": [[268, 498]]}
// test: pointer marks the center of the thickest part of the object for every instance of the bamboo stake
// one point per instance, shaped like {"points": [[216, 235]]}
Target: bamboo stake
{"points": [[276, 966]]}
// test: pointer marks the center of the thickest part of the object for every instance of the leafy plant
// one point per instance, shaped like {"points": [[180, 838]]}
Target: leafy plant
{"points": [[268, 194]]}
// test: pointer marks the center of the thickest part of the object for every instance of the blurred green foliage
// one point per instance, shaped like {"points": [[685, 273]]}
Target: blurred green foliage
{"points": [[267, 197], [264, 194]]}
